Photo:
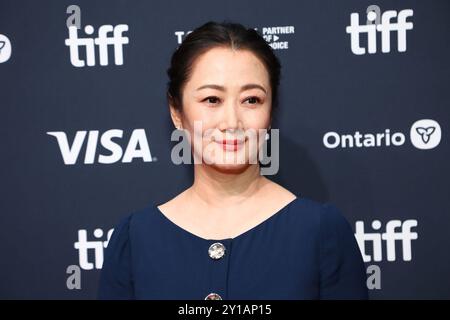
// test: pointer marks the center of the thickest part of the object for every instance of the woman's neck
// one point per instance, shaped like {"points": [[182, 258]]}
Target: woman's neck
{"points": [[219, 189]]}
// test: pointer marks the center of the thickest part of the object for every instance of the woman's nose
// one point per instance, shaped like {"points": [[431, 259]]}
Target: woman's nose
{"points": [[231, 117]]}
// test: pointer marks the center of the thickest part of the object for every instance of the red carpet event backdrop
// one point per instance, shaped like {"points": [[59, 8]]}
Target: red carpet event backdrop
{"points": [[363, 123]]}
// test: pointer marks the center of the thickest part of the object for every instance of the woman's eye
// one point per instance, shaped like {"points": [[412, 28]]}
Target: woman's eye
{"points": [[253, 100], [215, 100], [212, 100]]}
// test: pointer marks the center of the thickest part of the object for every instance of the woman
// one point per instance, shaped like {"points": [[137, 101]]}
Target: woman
{"points": [[234, 234]]}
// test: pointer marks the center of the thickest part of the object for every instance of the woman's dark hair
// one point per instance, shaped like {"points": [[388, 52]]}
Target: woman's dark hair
{"points": [[211, 35]]}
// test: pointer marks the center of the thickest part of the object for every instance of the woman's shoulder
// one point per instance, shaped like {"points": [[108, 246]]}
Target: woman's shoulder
{"points": [[115, 281], [322, 218], [307, 207], [328, 224], [316, 209], [141, 218]]}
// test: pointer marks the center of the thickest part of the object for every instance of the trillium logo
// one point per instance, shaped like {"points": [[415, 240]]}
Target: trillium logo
{"points": [[5, 48], [425, 134]]}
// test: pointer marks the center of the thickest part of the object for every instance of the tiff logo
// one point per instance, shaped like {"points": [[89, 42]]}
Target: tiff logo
{"points": [[102, 41], [391, 236], [382, 23], [84, 247]]}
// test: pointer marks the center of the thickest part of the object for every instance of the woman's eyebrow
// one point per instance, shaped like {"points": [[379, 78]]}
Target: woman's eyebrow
{"points": [[243, 88]]}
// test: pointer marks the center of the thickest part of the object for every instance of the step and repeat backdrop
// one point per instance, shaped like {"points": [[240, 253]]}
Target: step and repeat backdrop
{"points": [[85, 129]]}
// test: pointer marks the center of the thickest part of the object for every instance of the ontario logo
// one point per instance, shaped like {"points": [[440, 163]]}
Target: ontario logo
{"points": [[425, 134], [5, 48]]}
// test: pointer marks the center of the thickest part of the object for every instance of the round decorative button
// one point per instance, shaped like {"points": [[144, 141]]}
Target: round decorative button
{"points": [[216, 251], [213, 296]]}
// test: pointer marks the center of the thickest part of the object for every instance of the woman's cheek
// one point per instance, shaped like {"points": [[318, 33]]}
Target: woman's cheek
{"points": [[209, 153]]}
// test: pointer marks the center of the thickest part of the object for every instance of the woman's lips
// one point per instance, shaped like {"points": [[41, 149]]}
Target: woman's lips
{"points": [[231, 145]]}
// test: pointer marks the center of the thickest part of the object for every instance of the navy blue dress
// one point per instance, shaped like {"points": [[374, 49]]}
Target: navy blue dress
{"points": [[306, 250]]}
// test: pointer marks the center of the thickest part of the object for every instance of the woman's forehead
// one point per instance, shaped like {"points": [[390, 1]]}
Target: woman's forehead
{"points": [[225, 66]]}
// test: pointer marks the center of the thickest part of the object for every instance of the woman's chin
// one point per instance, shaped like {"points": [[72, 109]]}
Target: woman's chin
{"points": [[232, 168]]}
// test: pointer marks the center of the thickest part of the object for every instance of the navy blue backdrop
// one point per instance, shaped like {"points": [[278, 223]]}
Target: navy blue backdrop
{"points": [[85, 129]]}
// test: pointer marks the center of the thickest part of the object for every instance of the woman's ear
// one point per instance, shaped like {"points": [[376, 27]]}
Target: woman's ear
{"points": [[175, 114]]}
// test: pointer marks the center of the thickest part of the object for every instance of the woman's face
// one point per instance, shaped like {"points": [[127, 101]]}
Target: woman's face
{"points": [[228, 99]]}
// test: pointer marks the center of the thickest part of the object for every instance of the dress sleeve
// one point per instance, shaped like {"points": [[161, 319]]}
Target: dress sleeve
{"points": [[116, 276], [342, 271]]}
